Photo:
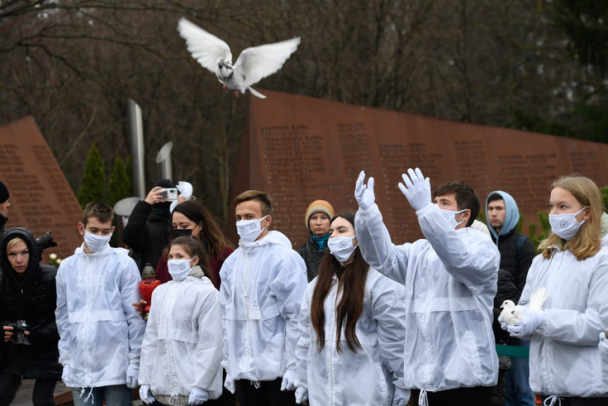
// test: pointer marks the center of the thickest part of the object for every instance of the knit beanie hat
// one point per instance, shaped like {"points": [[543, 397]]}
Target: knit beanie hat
{"points": [[318, 206]]}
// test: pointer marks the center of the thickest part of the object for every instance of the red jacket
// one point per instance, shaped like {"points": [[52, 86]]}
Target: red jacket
{"points": [[162, 270]]}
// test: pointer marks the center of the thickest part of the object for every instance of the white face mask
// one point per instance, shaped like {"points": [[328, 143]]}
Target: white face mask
{"points": [[565, 225], [96, 243], [342, 247], [450, 216], [249, 230], [179, 268]]}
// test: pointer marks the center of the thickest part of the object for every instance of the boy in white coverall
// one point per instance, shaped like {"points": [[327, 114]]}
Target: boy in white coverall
{"points": [[101, 332], [263, 283]]}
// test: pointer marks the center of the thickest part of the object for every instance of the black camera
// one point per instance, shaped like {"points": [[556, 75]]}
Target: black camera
{"points": [[45, 241], [19, 327]]}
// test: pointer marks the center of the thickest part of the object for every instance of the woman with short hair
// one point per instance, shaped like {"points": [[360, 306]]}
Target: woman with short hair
{"points": [[28, 293], [317, 219]]}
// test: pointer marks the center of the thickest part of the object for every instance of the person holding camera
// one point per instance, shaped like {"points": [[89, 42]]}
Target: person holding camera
{"points": [[147, 231], [27, 311]]}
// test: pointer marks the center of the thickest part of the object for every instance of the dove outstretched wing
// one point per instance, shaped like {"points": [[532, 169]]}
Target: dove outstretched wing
{"points": [[256, 63], [206, 48]]}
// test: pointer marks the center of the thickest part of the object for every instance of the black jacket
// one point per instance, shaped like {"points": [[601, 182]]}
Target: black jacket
{"points": [[507, 290], [31, 296], [147, 233], [507, 245], [312, 257]]}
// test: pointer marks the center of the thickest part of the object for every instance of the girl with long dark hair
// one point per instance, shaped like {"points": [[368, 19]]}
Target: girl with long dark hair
{"points": [[192, 218], [351, 332]]}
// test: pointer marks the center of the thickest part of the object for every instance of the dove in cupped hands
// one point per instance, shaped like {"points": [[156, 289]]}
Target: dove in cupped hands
{"points": [[522, 321], [253, 64]]}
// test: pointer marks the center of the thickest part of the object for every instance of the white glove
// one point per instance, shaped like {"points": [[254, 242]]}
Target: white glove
{"points": [[229, 384], [198, 396], [603, 346], [365, 195], [67, 370], [132, 374], [185, 191], [418, 191], [401, 396], [503, 325], [532, 320], [301, 395], [145, 394], [289, 380]]}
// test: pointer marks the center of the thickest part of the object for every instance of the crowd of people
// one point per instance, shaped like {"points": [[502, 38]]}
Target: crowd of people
{"points": [[349, 318]]}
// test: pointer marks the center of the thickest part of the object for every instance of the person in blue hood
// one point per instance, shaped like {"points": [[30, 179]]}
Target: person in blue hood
{"points": [[516, 255]]}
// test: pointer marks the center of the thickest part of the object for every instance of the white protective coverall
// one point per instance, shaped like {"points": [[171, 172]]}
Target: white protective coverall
{"points": [[364, 378], [182, 347], [263, 284], [450, 282], [564, 357], [100, 330]]}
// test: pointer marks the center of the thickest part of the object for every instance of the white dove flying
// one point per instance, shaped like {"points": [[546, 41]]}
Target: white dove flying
{"points": [[512, 314], [253, 64]]}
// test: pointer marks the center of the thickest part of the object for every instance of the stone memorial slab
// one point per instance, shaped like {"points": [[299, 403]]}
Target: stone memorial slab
{"points": [[301, 149], [40, 196]]}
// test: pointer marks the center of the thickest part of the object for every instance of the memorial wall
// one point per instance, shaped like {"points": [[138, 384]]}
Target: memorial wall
{"points": [[41, 198], [300, 149]]}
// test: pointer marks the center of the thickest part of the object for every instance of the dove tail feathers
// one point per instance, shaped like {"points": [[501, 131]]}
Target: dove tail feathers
{"points": [[538, 298], [256, 93]]}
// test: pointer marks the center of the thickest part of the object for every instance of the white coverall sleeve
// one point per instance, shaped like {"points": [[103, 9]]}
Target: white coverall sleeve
{"points": [[225, 301], [473, 265], [129, 293], [61, 317], [149, 344], [208, 354], [288, 289], [303, 343], [388, 310], [376, 245], [573, 327]]}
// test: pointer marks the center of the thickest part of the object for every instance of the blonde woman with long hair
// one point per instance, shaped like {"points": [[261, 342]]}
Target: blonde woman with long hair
{"points": [[565, 363]]}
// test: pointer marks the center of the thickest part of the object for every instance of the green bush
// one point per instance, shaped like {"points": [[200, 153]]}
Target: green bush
{"points": [[119, 186], [93, 184]]}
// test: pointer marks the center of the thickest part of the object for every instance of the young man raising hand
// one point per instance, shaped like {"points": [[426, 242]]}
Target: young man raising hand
{"points": [[450, 284]]}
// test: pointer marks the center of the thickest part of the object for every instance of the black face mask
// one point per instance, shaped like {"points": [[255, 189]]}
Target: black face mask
{"points": [[182, 232]]}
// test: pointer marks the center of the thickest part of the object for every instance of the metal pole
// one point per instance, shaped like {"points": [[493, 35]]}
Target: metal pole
{"points": [[135, 129], [164, 163]]}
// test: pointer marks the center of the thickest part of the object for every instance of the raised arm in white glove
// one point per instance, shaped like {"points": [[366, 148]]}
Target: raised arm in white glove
{"points": [[417, 189], [365, 194], [289, 380], [132, 375], [301, 395], [145, 394], [198, 396]]}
